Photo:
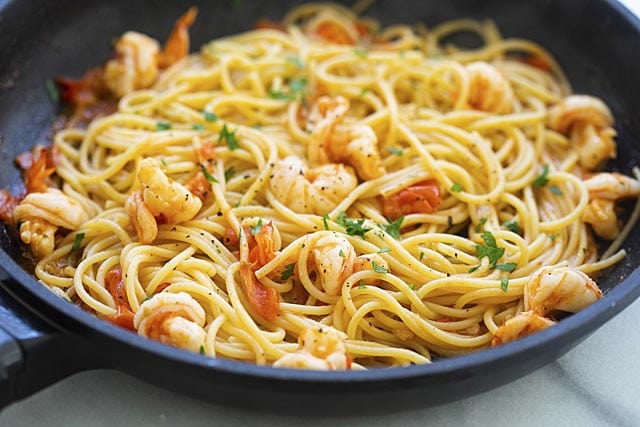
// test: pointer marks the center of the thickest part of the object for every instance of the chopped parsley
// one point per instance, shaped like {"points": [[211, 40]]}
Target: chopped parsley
{"points": [[164, 162], [489, 249], [384, 250], [504, 284], [555, 190], [201, 351], [295, 61], [288, 271], [395, 150], [163, 126], [364, 91], [481, 224], [296, 89], [456, 187], [421, 256], [54, 96], [207, 175], [542, 179], [210, 117], [378, 268], [360, 53], [393, 228], [472, 269], [325, 219], [197, 126], [412, 286], [77, 241], [508, 267], [353, 227], [229, 137], [361, 284], [229, 172], [341, 253], [256, 229], [553, 237], [513, 226]]}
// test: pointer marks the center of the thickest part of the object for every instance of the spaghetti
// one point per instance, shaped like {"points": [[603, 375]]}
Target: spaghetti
{"points": [[325, 194]]}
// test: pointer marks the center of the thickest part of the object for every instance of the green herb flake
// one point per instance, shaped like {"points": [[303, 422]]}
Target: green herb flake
{"points": [[542, 179], [472, 269], [325, 221], [353, 227], [77, 241], [421, 255], [513, 226], [481, 224], [276, 94], [341, 253], [361, 284], [504, 284], [229, 137], [360, 53], [384, 250], [201, 351], [164, 162], [395, 150], [54, 95], [412, 286], [378, 268], [207, 175], [163, 126], [288, 271], [197, 126], [489, 249], [256, 229], [508, 267], [553, 237], [210, 117], [229, 173], [297, 86], [364, 91], [555, 190], [297, 62], [393, 228], [456, 187]]}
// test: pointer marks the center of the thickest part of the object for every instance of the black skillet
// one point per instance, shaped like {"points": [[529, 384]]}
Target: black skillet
{"points": [[44, 339]]}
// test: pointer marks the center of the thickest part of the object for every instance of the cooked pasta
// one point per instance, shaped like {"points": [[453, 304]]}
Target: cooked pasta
{"points": [[328, 194]]}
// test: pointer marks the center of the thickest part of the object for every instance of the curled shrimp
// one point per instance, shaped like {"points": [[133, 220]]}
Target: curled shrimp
{"points": [[576, 109], [317, 190], [370, 262], [174, 319], [560, 288], [40, 215], [161, 199], [353, 144], [136, 64], [604, 190], [489, 90], [588, 121], [177, 45], [519, 326], [333, 257], [319, 348]]}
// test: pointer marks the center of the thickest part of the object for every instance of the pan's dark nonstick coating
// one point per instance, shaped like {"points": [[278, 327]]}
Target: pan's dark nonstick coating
{"points": [[596, 42]]}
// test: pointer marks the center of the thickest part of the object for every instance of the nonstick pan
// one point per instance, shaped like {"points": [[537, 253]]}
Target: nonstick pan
{"points": [[44, 339]]}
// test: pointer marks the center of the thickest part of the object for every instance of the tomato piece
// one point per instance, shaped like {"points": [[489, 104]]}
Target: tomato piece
{"points": [[423, 197], [177, 45], [263, 299], [334, 33], [124, 315]]}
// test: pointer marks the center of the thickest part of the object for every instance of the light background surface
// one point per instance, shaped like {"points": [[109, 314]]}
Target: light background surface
{"points": [[597, 383]]}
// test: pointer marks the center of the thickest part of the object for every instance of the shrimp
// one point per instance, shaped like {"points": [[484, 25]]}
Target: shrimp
{"points": [[317, 190], [177, 45], [560, 288], [422, 197], [604, 190], [576, 109], [353, 144], [136, 64], [525, 323], [320, 348], [141, 218], [40, 215], [174, 319], [588, 121], [370, 262], [333, 258], [489, 90]]}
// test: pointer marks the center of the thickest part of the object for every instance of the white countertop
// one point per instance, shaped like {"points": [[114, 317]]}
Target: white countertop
{"points": [[597, 383]]}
